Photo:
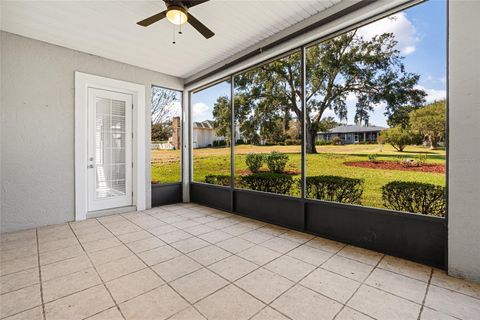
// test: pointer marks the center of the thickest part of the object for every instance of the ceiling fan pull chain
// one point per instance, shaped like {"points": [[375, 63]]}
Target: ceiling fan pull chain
{"points": [[180, 31], [173, 35]]}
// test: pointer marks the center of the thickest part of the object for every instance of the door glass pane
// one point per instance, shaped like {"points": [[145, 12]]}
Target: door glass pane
{"points": [[110, 158]]}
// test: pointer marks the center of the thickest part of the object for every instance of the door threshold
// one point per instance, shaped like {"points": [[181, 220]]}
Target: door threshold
{"points": [[107, 212]]}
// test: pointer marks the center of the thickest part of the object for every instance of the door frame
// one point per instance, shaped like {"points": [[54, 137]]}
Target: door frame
{"points": [[83, 81]]}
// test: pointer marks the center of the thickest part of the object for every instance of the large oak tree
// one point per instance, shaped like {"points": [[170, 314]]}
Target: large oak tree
{"points": [[371, 69]]}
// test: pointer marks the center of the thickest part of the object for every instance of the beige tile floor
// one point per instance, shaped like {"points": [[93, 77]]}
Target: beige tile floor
{"points": [[191, 262]]}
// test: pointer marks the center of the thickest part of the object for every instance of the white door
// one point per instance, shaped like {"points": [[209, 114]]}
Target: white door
{"points": [[109, 173]]}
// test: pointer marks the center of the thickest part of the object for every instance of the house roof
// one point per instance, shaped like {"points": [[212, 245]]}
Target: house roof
{"points": [[206, 124], [108, 29], [351, 128]]}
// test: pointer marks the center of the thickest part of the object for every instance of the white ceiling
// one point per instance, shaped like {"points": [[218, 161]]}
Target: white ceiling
{"points": [[108, 29]]}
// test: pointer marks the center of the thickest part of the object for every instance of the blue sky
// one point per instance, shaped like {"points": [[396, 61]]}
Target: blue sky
{"points": [[421, 35]]}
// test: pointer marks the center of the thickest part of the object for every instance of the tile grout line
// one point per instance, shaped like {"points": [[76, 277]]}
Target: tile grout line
{"points": [[40, 282], [304, 243], [21, 288], [356, 290], [231, 254], [262, 266], [206, 267], [318, 267], [333, 254], [235, 254], [40, 276], [258, 267], [151, 269], [268, 305], [98, 274], [425, 295]]}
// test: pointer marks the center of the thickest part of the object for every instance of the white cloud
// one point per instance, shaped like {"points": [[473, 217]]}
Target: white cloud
{"points": [[433, 94], [199, 108], [443, 80], [201, 112], [398, 24]]}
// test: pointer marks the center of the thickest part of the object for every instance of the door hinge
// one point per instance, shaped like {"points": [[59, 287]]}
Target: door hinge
{"points": [[132, 193], [132, 105], [132, 164], [132, 135]]}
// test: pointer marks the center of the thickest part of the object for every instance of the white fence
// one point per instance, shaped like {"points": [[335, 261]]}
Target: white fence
{"points": [[161, 145]]}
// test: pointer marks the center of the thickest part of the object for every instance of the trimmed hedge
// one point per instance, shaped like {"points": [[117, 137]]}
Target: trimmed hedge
{"points": [[254, 161], [424, 198], [218, 179], [276, 161], [293, 142], [268, 182], [323, 142], [219, 143], [334, 188]]}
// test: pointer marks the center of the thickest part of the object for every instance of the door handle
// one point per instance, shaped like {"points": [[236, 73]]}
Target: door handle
{"points": [[91, 166]]}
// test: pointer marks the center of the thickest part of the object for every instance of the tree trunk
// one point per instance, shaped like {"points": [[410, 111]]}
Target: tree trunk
{"points": [[310, 140], [433, 142]]}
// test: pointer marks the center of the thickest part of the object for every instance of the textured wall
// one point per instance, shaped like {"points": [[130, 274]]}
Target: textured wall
{"points": [[37, 130], [464, 151]]}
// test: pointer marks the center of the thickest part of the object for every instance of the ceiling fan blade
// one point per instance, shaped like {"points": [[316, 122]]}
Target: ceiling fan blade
{"points": [[193, 3], [152, 19], [207, 33]]}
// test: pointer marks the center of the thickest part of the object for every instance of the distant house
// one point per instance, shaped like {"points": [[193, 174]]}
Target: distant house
{"points": [[204, 134], [352, 133]]}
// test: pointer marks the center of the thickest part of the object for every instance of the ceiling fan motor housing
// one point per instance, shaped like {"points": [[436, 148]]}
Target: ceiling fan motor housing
{"points": [[177, 14]]}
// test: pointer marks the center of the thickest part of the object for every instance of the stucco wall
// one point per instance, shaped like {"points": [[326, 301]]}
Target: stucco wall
{"points": [[37, 130], [464, 148]]}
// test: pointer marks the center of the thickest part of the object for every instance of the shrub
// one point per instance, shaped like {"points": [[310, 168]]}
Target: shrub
{"points": [[276, 161], [424, 198], [422, 159], [397, 137], [268, 182], [218, 179], [293, 142], [240, 141], [323, 142], [336, 141], [333, 188], [219, 143], [373, 157], [254, 161], [270, 142]]}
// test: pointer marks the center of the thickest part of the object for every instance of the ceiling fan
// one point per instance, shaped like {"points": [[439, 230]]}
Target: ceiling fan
{"points": [[177, 13]]}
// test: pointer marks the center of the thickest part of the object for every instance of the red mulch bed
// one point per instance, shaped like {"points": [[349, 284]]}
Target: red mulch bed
{"points": [[393, 165]]}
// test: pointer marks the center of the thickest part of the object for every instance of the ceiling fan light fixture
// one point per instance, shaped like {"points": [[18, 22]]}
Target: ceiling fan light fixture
{"points": [[177, 15]]}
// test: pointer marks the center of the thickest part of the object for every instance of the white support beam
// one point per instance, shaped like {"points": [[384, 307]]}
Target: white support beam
{"points": [[185, 147], [464, 151]]}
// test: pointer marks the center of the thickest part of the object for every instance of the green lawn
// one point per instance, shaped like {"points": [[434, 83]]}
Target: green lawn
{"points": [[330, 161]]}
